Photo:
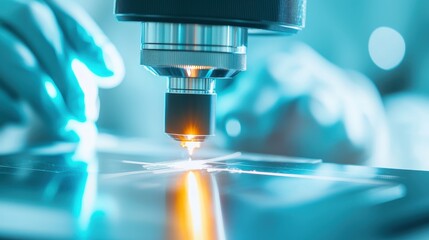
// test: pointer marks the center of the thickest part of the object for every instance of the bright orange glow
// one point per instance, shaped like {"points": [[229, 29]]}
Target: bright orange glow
{"points": [[194, 202], [193, 209], [191, 131], [193, 71]]}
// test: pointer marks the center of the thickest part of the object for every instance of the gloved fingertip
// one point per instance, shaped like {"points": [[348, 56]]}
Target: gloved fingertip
{"points": [[76, 107], [69, 136], [97, 52], [108, 70], [83, 132], [114, 64], [81, 117], [68, 130]]}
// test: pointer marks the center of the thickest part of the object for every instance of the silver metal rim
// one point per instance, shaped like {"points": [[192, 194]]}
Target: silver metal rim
{"points": [[193, 50], [191, 85]]}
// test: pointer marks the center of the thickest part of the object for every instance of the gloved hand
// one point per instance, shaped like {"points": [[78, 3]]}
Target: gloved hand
{"points": [[53, 59], [296, 103]]}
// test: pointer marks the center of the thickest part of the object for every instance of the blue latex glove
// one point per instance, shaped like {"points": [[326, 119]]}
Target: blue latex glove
{"points": [[53, 59], [294, 102]]}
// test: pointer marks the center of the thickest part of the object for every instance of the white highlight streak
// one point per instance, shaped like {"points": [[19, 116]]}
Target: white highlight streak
{"points": [[171, 166], [291, 175]]}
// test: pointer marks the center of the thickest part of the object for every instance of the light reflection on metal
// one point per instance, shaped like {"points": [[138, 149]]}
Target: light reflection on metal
{"points": [[195, 210]]}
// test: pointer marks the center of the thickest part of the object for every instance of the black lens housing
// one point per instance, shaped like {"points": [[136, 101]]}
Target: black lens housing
{"points": [[188, 114], [276, 15]]}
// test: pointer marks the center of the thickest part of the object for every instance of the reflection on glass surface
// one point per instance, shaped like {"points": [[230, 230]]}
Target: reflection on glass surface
{"points": [[49, 192], [89, 196], [195, 208], [49, 197], [56, 196]]}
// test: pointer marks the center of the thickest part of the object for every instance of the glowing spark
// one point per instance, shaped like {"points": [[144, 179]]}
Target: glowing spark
{"points": [[171, 166], [191, 146], [190, 137]]}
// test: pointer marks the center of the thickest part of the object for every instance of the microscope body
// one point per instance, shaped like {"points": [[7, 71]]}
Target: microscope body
{"points": [[195, 42]]}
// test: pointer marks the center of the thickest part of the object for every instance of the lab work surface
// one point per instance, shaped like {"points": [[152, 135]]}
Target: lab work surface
{"points": [[149, 192]]}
